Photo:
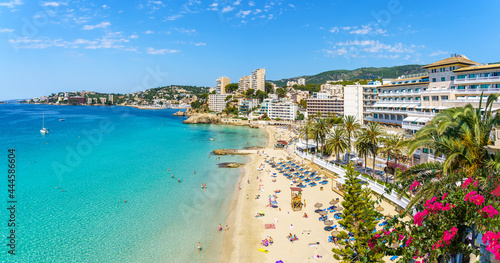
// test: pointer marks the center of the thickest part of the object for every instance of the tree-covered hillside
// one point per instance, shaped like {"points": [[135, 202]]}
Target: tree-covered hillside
{"points": [[361, 73]]}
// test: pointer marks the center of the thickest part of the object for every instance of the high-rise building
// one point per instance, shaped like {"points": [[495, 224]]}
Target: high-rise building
{"points": [[259, 79], [220, 84], [245, 83], [327, 107]]}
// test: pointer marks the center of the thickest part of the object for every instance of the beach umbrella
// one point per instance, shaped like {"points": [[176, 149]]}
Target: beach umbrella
{"points": [[294, 177], [300, 181], [325, 177], [323, 213], [394, 245], [335, 232], [379, 208], [318, 205], [333, 202], [328, 222], [339, 209]]}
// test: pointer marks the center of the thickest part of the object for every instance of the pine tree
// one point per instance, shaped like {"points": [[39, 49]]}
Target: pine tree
{"points": [[359, 218]]}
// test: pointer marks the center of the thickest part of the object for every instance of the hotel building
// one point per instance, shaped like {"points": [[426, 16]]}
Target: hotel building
{"points": [[217, 102], [282, 110], [245, 84], [245, 105], [220, 84]]}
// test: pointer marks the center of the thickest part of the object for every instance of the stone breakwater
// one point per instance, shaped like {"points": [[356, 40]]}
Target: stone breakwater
{"points": [[203, 118], [230, 165]]}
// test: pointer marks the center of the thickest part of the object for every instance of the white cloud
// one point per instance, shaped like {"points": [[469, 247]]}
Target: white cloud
{"points": [[238, 2], [200, 44], [173, 17], [251, 3], [6, 30], [186, 31], [134, 36], [100, 25], [257, 11], [227, 9], [157, 2], [153, 51], [149, 32], [214, 5], [346, 28], [438, 53], [53, 4], [11, 4], [366, 29], [334, 30], [243, 14], [105, 6], [372, 48]]}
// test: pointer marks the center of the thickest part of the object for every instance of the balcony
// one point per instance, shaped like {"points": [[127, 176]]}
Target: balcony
{"points": [[476, 80], [388, 111], [393, 94], [437, 91], [411, 126], [384, 120], [432, 157], [477, 91]]}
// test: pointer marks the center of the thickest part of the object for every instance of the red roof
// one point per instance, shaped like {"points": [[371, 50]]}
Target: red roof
{"points": [[296, 189], [283, 142]]}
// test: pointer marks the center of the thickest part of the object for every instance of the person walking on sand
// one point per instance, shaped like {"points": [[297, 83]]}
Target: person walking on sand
{"points": [[199, 247], [220, 227]]}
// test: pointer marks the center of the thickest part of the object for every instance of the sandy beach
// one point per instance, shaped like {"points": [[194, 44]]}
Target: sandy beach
{"points": [[244, 238]]}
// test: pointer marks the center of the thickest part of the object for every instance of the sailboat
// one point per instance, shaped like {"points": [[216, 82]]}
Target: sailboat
{"points": [[44, 130]]}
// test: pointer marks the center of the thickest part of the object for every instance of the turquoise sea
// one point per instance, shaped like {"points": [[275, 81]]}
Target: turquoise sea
{"points": [[72, 184]]}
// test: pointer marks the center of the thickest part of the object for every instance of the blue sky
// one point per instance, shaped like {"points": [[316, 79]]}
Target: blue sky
{"points": [[127, 46]]}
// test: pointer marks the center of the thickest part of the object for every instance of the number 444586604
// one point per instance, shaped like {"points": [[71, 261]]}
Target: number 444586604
{"points": [[11, 173]]}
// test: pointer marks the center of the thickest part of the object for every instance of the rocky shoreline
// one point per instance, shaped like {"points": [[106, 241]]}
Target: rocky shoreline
{"points": [[229, 152], [230, 165]]}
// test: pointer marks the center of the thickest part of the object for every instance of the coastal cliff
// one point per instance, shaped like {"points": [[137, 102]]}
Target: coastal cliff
{"points": [[203, 118]]}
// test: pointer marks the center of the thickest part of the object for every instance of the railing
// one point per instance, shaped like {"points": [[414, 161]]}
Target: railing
{"points": [[411, 126], [478, 79], [374, 186], [400, 94], [478, 91]]}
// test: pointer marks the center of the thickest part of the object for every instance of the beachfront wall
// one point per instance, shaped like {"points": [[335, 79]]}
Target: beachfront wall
{"points": [[374, 186]]}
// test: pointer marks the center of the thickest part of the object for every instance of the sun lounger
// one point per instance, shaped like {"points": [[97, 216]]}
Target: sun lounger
{"points": [[394, 258]]}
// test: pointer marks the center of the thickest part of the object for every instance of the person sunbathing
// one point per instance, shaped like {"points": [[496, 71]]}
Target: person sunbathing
{"points": [[305, 215]]}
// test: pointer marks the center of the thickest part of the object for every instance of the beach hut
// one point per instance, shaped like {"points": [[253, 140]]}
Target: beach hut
{"points": [[296, 197], [281, 144]]}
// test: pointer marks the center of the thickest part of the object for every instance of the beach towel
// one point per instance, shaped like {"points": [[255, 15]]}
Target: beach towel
{"points": [[263, 250], [270, 226]]}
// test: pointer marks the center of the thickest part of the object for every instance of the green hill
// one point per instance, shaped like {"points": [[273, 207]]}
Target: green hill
{"points": [[360, 73]]}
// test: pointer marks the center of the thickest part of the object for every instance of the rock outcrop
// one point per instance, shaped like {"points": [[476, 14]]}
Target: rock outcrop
{"points": [[229, 152], [203, 118], [179, 113], [230, 165]]}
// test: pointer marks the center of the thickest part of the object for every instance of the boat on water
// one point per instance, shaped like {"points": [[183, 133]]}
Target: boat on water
{"points": [[44, 130], [212, 139], [61, 119]]}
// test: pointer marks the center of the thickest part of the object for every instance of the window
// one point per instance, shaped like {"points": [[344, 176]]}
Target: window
{"points": [[485, 86], [417, 98], [461, 87], [444, 97], [433, 79], [461, 76], [452, 87], [409, 98], [409, 90], [417, 89], [443, 78], [473, 86], [471, 76], [425, 150], [486, 74], [441, 69], [426, 98], [375, 115], [452, 78], [435, 98]]}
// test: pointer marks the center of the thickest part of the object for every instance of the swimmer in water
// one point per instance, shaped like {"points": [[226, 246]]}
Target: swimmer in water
{"points": [[172, 176], [194, 171], [179, 180]]}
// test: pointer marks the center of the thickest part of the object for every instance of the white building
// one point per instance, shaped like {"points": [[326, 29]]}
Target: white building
{"points": [[217, 102], [245, 83], [282, 110], [320, 95], [353, 101], [301, 81]]}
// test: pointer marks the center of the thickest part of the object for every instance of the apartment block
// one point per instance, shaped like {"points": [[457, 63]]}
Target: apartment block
{"points": [[217, 102], [258, 79]]}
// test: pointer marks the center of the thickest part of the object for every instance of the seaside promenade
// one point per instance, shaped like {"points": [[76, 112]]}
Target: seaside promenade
{"points": [[247, 231]]}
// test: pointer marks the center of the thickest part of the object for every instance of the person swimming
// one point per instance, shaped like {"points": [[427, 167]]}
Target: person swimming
{"points": [[172, 176], [179, 180]]}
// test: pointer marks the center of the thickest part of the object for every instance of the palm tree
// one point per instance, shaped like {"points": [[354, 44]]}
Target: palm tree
{"points": [[305, 132], [461, 134], [394, 145], [429, 175], [351, 126], [320, 131], [363, 149], [337, 142], [372, 135]]}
